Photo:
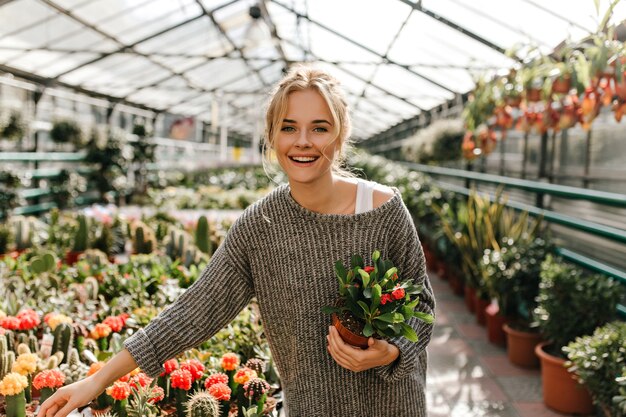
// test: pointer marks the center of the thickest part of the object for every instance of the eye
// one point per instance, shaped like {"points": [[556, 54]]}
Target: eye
{"points": [[320, 129], [287, 129]]}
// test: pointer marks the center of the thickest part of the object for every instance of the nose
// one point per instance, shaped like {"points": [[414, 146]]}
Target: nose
{"points": [[302, 141]]}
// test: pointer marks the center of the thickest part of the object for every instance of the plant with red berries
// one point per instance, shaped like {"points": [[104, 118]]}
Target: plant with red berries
{"points": [[374, 301]]}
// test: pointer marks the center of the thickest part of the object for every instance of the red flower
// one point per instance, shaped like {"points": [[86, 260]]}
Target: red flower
{"points": [[230, 361], [124, 317], [156, 395], [100, 331], [29, 319], [140, 380], [368, 269], [181, 378], [394, 277], [195, 368], [10, 323], [119, 390], [217, 378], [50, 378], [125, 378], [170, 366], [398, 293], [114, 322], [385, 298], [220, 391]]}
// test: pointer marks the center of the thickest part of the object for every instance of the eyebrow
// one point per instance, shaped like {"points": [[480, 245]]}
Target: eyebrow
{"points": [[314, 121]]}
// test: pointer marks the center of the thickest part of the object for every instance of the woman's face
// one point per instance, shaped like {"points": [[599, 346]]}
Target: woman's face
{"points": [[305, 131]]}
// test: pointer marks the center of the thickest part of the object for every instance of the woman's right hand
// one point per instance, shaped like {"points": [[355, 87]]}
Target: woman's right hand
{"points": [[70, 397]]}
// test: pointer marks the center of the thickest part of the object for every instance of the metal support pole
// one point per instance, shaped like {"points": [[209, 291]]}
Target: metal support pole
{"points": [[552, 155], [525, 155]]}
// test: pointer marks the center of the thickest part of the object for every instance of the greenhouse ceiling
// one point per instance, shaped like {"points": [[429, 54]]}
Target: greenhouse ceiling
{"points": [[395, 58]]}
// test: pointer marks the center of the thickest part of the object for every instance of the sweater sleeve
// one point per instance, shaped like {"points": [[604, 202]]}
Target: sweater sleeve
{"points": [[411, 264], [223, 289]]}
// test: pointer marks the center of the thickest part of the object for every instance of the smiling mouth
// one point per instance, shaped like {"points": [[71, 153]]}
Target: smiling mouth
{"points": [[308, 161]]}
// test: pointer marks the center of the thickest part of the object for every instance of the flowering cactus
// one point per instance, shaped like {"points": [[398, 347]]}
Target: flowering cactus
{"points": [[230, 361], [181, 380], [256, 364], [216, 378], [119, 391], [47, 382], [12, 387], [202, 404]]}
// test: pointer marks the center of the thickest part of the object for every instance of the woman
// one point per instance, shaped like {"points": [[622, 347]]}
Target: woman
{"points": [[282, 250]]}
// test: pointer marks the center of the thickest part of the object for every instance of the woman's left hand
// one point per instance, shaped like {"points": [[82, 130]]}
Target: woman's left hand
{"points": [[356, 359]]}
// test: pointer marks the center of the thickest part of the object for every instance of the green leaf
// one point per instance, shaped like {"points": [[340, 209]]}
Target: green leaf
{"points": [[367, 293], [353, 292], [365, 276], [387, 317], [368, 330], [427, 318], [364, 306], [398, 318], [376, 293], [330, 310], [407, 312], [356, 260], [390, 272], [408, 332]]}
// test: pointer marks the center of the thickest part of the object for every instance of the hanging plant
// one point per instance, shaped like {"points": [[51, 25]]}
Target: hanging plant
{"points": [[66, 131], [15, 129]]}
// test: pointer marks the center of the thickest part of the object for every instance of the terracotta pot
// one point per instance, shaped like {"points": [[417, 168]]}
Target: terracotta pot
{"points": [[534, 94], [561, 391], [347, 335], [521, 347], [480, 306], [562, 85], [71, 257], [495, 321], [470, 298]]}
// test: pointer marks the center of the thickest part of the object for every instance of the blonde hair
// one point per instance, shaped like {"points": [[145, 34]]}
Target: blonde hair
{"points": [[302, 77]]}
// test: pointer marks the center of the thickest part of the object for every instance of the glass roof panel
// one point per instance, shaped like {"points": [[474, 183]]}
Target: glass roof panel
{"points": [[377, 25], [341, 49], [159, 15], [392, 103], [14, 17], [190, 35], [218, 72], [42, 34]]}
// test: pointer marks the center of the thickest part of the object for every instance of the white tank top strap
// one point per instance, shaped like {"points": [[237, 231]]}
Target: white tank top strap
{"points": [[364, 196]]}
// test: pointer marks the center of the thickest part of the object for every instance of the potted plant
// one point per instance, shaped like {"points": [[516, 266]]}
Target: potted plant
{"points": [[374, 301], [522, 267], [12, 387], [597, 359], [15, 129], [571, 303], [80, 240], [499, 274]]}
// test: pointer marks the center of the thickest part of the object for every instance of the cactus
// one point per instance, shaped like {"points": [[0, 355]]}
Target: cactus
{"points": [[16, 405], [143, 239], [92, 286], [23, 233], [104, 240], [43, 264], [202, 404], [203, 235], [63, 336], [50, 363], [23, 348], [256, 391], [80, 239], [6, 363], [96, 258], [33, 343], [5, 237], [257, 365], [74, 369], [10, 338], [4, 348], [176, 244]]}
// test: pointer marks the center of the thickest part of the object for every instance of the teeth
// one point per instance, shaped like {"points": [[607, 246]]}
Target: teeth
{"points": [[303, 159]]}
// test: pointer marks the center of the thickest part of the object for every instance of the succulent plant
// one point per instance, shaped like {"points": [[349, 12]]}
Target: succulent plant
{"points": [[6, 363], [256, 364], [203, 235], [63, 337], [143, 238], [74, 369], [202, 404], [81, 236], [95, 257], [43, 263]]}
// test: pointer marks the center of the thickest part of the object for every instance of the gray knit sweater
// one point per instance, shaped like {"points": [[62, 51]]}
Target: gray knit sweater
{"points": [[284, 254]]}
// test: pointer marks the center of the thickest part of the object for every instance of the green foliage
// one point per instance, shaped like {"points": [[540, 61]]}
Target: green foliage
{"points": [[45, 263], [66, 131], [572, 303], [143, 238], [363, 294], [5, 238], [597, 360], [15, 128], [513, 274], [439, 142]]}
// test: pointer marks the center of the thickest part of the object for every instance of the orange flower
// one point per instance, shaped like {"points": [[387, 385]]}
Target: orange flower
{"points": [[50, 378], [217, 378], [114, 322], [181, 378], [230, 361], [195, 368], [101, 330], [244, 375], [170, 366], [119, 390], [220, 391]]}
